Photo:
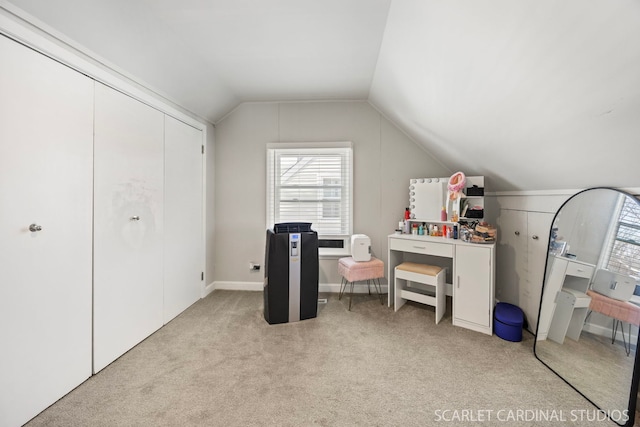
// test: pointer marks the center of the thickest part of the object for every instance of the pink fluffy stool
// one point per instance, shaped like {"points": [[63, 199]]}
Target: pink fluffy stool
{"points": [[358, 271]]}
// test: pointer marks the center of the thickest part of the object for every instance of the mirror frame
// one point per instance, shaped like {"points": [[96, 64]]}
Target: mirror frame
{"points": [[633, 392]]}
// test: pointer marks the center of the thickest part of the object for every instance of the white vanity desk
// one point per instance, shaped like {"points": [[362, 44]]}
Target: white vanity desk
{"points": [[565, 303], [472, 271]]}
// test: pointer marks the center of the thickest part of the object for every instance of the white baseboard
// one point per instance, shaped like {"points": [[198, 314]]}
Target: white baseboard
{"points": [[606, 332], [258, 286], [208, 289], [238, 286]]}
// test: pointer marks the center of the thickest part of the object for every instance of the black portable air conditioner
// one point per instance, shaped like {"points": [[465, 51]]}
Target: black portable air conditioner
{"points": [[291, 273]]}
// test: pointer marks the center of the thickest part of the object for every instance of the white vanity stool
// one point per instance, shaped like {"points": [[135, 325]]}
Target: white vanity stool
{"points": [[572, 307], [423, 274]]}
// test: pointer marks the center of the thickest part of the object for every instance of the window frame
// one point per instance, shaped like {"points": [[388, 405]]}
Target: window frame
{"points": [[612, 235], [272, 190]]}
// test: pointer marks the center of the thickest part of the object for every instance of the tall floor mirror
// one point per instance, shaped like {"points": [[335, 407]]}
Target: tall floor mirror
{"points": [[589, 313]]}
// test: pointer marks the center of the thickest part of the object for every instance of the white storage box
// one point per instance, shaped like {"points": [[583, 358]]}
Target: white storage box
{"points": [[361, 247], [614, 285]]}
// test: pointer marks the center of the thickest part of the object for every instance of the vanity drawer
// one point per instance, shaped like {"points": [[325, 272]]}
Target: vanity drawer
{"points": [[421, 247], [579, 270]]}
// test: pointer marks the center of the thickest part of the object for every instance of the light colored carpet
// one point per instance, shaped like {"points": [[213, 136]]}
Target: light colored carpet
{"points": [[220, 364], [600, 370]]}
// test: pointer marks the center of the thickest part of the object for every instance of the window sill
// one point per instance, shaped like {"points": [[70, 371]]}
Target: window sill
{"points": [[331, 253]]}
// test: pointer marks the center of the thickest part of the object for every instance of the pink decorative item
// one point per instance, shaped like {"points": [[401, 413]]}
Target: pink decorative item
{"points": [[455, 185]]}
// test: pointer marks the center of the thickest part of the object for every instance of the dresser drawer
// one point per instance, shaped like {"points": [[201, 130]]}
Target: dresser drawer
{"points": [[421, 247], [579, 270]]}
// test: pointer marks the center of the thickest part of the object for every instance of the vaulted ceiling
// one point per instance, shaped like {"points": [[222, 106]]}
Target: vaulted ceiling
{"points": [[534, 94]]}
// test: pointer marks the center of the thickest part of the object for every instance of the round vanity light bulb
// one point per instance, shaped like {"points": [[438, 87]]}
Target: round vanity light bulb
{"points": [[429, 180]]}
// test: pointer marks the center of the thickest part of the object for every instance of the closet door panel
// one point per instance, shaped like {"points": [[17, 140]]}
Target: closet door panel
{"points": [[46, 132], [522, 252], [128, 210], [512, 256], [183, 234], [538, 227]]}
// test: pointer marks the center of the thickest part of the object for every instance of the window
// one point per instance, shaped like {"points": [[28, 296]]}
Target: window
{"points": [[331, 197], [623, 254], [311, 182]]}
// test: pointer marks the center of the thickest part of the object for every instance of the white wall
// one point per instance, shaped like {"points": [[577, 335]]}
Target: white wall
{"points": [[584, 224], [384, 161]]}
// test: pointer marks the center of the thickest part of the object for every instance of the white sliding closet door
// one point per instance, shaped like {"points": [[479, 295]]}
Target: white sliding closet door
{"points": [[46, 133], [183, 235], [128, 227]]}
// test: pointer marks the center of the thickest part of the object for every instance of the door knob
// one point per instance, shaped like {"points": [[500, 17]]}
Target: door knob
{"points": [[135, 218], [34, 227]]}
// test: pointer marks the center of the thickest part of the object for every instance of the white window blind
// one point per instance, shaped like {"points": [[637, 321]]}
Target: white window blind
{"points": [[624, 247], [311, 183]]}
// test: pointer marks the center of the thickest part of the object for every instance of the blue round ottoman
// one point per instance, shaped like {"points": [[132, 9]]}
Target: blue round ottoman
{"points": [[508, 321]]}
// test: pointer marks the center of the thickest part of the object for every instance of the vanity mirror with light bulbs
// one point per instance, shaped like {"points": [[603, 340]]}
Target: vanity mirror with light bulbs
{"points": [[587, 330], [427, 196]]}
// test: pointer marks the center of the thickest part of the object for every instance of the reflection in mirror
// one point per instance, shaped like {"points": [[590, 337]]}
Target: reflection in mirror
{"points": [[590, 309]]}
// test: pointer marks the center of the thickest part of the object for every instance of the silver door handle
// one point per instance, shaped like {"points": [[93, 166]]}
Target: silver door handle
{"points": [[33, 228], [135, 218]]}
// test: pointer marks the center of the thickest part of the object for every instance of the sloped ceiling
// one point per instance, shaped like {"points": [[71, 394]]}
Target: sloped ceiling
{"points": [[210, 55], [533, 94]]}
